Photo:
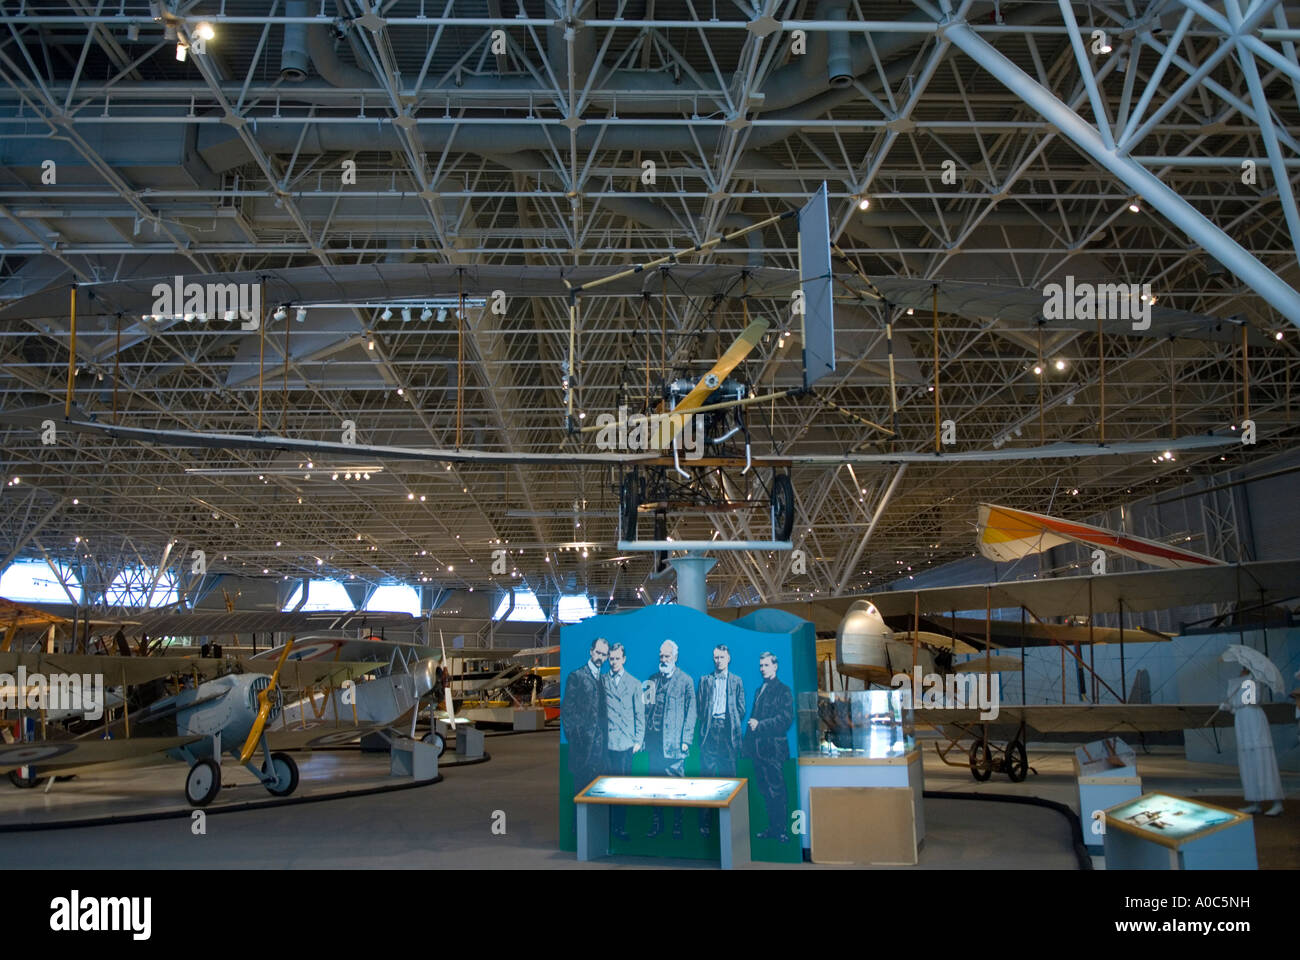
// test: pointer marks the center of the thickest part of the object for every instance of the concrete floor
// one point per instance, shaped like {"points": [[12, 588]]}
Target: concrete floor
{"points": [[450, 824]]}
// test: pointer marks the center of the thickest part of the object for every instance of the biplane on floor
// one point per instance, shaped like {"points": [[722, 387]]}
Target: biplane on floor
{"points": [[927, 615]]}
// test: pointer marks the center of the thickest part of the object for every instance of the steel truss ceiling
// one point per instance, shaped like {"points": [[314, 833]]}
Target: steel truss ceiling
{"points": [[996, 144]]}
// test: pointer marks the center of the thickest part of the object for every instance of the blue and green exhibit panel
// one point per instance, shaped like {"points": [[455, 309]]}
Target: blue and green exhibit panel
{"points": [[1158, 831], [766, 755]]}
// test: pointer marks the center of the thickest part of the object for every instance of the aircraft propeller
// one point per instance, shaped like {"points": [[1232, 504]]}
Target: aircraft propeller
{"points": [[264, 708]]}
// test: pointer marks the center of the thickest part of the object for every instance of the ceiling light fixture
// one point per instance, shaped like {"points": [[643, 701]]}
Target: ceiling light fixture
{"points": [[387, 314], [182, 51], [280, 313], [301, 315]]}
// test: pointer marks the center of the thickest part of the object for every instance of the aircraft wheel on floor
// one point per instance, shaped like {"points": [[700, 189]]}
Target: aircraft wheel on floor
{"points": [[202, 783], [1017, 761], [285, 771], [438, 740], [24, 783], [981, 761]]}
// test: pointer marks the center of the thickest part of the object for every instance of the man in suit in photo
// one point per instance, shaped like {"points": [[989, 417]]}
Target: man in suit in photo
{"points": [[670, 727], [625, 729], [721, 706], [766, 745], [582, 714]]}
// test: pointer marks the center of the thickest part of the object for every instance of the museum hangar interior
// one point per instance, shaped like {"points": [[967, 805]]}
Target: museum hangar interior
{"points": [[433, 403]]}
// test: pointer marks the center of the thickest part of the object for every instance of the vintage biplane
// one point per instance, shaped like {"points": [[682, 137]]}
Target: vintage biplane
{"points": [[926, 615]]}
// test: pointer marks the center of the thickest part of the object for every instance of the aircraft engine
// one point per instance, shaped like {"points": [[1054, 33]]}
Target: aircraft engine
{"points": [[861, 637]]}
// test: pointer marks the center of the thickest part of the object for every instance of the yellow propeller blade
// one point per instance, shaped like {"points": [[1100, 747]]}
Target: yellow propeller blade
{"points": [[710, 382], [264, 707]]}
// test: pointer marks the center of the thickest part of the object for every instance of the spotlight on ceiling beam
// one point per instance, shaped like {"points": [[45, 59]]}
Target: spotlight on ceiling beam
{"points": [[426, 314], [864, 202], [182, 51], [280, 313], [387, 314], [133, 32], [406, 314], [1134, 207], [301, 315], [205, 30]]}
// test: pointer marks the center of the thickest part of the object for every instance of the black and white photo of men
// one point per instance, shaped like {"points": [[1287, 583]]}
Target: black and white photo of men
{"points": [[670, 727], [625, 730], [583, 716], [721, 706], [766, 745]]}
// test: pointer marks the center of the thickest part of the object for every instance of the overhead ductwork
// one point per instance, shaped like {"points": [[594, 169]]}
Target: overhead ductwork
{"points": [[839, 62], [320, 44], [293, 51]]}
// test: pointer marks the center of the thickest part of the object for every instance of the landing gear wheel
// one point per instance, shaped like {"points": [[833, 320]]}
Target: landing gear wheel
{"points": [[1016, 765], [629, 496], [202, 783], [981, 761], [437, 740], [285, 771], [782, 506], [661, 533], [24, 783]]}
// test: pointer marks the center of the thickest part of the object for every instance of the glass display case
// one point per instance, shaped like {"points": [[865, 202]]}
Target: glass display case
{"points": [[871, 724]]}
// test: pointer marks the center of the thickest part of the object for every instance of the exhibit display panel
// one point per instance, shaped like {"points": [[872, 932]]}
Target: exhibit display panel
{"points": [[1158, 831], [668, 691], [711, 792], [874, 724], [1106, 773], [858, 759]]}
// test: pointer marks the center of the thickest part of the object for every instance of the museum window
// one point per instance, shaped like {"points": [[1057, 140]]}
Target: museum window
{"points": [[395, 598], [322, 595], [35, 581], [527, 609]]}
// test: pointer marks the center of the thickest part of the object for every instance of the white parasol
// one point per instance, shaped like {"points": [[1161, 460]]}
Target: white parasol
{"points": [[1260, 666]]}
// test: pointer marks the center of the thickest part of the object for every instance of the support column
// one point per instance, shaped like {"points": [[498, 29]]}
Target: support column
{"points": [[691, 571]]}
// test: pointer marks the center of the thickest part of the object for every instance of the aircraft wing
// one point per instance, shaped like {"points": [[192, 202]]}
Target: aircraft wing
{"points": [[299, 673], [23, 617], [1106, 717], [536, 651], [49, 756], [571, 454], [326, 731], [115, 670]]}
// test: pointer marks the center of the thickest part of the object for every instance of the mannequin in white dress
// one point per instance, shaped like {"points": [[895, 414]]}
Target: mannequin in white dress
{"points": [[1260, 779]]}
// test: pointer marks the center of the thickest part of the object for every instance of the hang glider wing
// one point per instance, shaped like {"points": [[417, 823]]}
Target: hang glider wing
{"points": [[1007, 534], [51, 756]]}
